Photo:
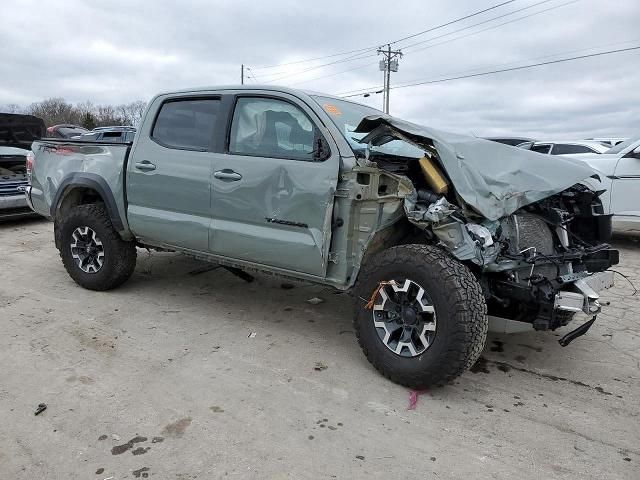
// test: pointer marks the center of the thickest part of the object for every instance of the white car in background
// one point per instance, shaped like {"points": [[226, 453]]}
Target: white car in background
{"points": [[610, 141], [620, 176], [576, 147]]}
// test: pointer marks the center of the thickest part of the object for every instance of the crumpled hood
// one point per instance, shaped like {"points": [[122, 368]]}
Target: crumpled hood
{"points": [[494, 179]]}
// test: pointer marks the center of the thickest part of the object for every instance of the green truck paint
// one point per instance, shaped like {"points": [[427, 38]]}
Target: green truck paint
{"points": [[316, 188]]}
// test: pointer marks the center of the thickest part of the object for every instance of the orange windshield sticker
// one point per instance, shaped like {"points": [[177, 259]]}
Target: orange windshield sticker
{"points": [[331, 109]]}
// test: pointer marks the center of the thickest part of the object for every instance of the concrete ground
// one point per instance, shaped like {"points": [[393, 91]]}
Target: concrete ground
{"points": [[164, 378]]}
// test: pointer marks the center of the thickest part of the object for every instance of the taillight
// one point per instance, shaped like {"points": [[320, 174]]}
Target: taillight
{"points": [[30, 159]]}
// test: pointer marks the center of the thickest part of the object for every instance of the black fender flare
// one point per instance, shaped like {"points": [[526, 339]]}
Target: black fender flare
{"points": [[94, 182]]}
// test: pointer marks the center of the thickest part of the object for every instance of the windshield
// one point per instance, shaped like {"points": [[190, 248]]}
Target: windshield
{"points": [[622, 146], [347, 115]]}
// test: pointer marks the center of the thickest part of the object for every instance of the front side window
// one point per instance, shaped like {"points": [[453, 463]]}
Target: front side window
{"points": [[186, 124], [267, 127], [566, 149]]}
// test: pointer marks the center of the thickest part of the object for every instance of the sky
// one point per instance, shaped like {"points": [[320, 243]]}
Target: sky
{"points": [[120, 51]]}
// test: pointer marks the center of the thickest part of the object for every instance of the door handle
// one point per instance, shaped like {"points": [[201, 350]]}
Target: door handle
{"points": [[227, 175], [145, 166]]}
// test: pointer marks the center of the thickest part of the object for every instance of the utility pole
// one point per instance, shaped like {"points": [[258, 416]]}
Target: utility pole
{"points": [[388, 65], [242, 74]]}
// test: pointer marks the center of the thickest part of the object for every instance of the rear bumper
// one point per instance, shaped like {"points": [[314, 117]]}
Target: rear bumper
{"points": [[15, 206], [10, 202]]}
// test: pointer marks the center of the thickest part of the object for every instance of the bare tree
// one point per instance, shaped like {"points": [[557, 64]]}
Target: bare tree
{"points": [[11, 108], [55, 111]]}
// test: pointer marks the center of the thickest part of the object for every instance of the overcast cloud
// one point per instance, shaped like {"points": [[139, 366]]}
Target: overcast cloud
{"points": [[120, 51]]}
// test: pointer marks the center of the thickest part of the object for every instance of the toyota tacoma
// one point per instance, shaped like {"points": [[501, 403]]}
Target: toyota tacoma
{"points": [[438, 236]]}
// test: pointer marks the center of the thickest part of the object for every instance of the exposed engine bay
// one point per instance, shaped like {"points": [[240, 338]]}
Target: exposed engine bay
{"points": [[12, 165], [539, 264]]}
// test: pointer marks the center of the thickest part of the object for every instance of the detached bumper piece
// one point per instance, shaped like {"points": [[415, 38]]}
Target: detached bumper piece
{"points": [[552, 302], [578, 332], [585, 295]]}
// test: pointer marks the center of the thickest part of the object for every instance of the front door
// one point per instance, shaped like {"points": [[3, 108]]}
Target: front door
{"points": [[169, 174], [272, 195], [625, 199]]}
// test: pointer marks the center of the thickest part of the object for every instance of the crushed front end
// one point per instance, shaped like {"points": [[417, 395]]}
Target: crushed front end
{"points": [[539, 265], [537, 247]]}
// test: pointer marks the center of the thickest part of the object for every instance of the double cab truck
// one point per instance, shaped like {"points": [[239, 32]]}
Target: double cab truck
{"points": [[436, 235]]}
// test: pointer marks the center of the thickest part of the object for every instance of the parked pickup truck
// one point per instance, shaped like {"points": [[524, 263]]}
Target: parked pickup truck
{"points": [[435, 234], [17, 132]]}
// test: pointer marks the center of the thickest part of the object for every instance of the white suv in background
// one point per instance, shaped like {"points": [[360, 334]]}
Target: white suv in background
{"points": [[570, 147], [620, 175]]}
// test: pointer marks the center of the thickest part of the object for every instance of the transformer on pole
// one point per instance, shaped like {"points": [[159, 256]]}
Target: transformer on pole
{"points": [[387, 65]]}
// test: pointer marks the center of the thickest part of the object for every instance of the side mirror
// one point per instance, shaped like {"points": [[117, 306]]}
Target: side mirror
{"points": [[321, 150]]}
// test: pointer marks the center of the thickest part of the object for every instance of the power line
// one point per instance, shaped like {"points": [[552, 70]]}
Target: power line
{"points": [[484, 22], [313, 59], [489, 28], [368, 64], [361, 50], [451, 22], [493, 72], [566, 52], [280, 76], [496, 26]]}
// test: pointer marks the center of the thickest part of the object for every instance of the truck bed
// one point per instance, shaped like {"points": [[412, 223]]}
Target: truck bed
{"points": [[97, 165]]}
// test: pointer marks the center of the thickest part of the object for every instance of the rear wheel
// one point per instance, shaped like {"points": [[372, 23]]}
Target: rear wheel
{"points": [[91, 250], [420, 315]]}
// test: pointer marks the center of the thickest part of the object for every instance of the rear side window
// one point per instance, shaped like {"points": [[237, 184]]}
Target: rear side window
{"points": [[267, 127], [186, 124], [112, 136], [564, 149]]}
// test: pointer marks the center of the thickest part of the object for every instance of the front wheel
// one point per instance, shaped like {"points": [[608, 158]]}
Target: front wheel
{"points": [[91, 250], [421, 318]]}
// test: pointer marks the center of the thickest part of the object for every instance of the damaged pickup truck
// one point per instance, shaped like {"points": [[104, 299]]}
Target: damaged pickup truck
{"points": [[437, 235]]}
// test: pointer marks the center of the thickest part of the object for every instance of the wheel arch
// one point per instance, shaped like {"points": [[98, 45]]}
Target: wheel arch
{"points": [[400, 232], [82, 188]]}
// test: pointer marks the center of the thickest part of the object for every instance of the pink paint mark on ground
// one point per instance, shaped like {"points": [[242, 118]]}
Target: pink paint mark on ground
{"points": [[413, 398]]}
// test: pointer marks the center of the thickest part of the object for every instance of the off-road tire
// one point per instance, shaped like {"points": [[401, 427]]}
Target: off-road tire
{"points": [[119, 255], [460, 309]]}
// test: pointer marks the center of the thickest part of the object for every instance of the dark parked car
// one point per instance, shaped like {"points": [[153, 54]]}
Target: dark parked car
{"points": [[17, 132], [65, 130]]}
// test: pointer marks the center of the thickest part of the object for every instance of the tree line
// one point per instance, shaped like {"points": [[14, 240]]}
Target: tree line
{"points": [[55, 111]]}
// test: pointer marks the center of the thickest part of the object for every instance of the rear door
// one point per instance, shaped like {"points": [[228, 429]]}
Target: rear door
{"points": [[272, 197], [169, 172]]}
